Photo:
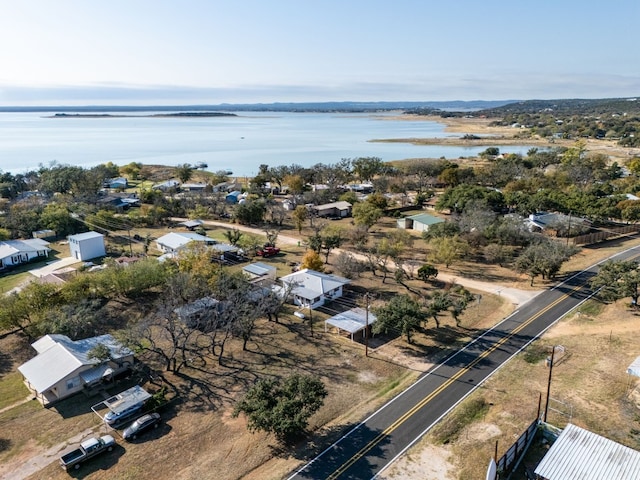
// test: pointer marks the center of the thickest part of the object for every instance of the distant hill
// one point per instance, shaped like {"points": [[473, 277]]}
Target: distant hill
{"points": [[574, 106], [457, 105]]}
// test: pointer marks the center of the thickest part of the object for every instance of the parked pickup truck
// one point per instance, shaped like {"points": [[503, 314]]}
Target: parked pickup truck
{"points": [[268, 251], [89, 448]]}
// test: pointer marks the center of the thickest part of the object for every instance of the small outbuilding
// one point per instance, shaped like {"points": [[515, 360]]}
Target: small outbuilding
{"points": [[352, 321], [420, 222], [87, 246], [259, 272], [233, 197]]}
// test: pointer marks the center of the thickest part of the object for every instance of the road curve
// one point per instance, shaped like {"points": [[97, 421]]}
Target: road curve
{"points": [[368, 448]]}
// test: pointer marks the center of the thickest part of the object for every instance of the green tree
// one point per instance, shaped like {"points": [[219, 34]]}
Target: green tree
{"points": [[366, 215], [447, 250], [249, 212], [426, 272], [401, 315], [282, 408], [57, 218], [544, 258], [365, 168], [617, 280], [184, 172], [233, 236], [300, 215]]}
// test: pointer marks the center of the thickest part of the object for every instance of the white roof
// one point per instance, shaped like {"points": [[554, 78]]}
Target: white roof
{"points": [[579, 454], [634, 368], [59, 356], [352, 320], [311, 284], [176, 240], [85, 236], [11, 247]]}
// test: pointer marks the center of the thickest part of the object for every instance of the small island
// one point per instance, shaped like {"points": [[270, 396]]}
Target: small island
{"points": [[176, 114]]}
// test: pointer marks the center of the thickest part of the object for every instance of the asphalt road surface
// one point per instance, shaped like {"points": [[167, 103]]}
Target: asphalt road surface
{"points": [[366, 449]]}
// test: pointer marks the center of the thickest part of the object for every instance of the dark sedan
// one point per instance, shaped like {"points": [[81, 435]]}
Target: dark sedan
{"points": [[142, 424]]}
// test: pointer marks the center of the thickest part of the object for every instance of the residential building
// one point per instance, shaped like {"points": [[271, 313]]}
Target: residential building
{"points": [[311, 289], [335, 209], [174, 241], [17, 252], [64, 367], [87, 246]]}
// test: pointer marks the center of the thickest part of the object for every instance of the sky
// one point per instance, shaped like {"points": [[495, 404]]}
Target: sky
{"points": [[166, 52]]}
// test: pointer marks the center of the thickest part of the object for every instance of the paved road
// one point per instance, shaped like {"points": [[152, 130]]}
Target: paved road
{"points": [[369, 447]]}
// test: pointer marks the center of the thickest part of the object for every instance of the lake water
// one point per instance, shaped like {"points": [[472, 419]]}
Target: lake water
{"points": [[239, 144]]}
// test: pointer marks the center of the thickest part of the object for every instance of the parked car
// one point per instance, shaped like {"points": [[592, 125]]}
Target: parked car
{"points": [[141, 425], [87, 449], [114, 418]]}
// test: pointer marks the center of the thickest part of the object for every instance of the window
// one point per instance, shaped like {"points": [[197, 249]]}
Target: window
{"points": [[73, 383]]}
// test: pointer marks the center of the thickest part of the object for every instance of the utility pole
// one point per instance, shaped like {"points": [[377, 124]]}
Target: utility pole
{"points": [[546, 407], [366, 325]]}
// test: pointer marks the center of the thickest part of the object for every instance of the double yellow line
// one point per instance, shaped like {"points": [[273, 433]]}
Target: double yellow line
{"points": [[363, 451]]}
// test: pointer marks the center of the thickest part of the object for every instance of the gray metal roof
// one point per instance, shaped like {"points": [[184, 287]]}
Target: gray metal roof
{"points": [[59, 356], [352, 320], [579, 454]]}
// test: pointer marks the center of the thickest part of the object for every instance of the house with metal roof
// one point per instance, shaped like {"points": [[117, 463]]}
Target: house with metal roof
{"points": [[419, 222], [16, 252], [578, 454], [336, 209], [175, 241], [64, 367], [311, 289]]}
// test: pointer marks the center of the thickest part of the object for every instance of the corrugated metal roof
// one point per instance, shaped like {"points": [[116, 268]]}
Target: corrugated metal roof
{"points": [[352, 320], [85, 236], [59, 356], [579, 454], [425, 219]]}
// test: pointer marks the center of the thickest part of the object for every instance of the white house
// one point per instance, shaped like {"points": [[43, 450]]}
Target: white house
{"points": [[175, 241], [63, 367], [86, 246], [16, 252], [420, 222], [312, 289]]}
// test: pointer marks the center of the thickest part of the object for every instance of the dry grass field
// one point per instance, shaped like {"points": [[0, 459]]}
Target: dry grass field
{"points": [[200, 439]]}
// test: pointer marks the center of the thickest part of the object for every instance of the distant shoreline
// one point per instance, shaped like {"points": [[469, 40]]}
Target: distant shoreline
{"points": [[160, 115]]}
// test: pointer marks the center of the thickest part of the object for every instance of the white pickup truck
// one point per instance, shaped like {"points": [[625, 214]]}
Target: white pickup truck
{"points": [[89, 448]]}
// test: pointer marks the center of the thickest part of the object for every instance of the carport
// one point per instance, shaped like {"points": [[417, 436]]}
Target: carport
{"points": [[351, 321]]}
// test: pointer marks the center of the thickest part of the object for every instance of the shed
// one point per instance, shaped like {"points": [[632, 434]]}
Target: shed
{"points": [[86, 246], [578, 454], [259, 272], [420, 222], [352, 321], [233, 197]]}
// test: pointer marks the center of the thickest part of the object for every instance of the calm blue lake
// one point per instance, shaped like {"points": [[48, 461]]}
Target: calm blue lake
{"points": [[239, 144]]}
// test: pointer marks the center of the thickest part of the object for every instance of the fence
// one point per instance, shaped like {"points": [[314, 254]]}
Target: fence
{"points": [[596, 237], [509, 460]]}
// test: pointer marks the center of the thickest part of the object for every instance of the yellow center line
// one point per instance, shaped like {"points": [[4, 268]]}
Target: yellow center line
{"points": [[345, 466]]}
